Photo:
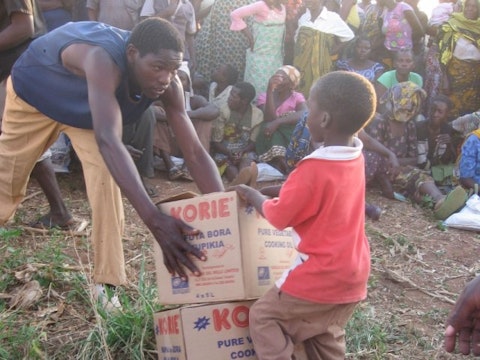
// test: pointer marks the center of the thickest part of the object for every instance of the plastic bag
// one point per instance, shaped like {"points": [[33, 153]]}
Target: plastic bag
{"points": [[468, 218], [267, 172]]}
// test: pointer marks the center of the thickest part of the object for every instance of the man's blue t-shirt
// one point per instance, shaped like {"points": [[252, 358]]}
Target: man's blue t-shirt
{"points": [[40, 79]]}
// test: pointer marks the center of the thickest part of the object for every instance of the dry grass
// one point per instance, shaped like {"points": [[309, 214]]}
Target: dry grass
{"points": [[418, 269]]}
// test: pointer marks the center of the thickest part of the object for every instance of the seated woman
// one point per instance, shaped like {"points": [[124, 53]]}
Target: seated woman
{"points": [[396, 131], [282, 107], [360, 62]]}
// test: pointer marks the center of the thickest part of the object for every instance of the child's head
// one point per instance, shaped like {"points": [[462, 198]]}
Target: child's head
{"points": [[340, 104], [439, 110], [225, 73], [403, 61], [241, 95]]}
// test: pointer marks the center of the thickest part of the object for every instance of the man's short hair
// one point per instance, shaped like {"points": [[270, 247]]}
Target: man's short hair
{"points": [[246, 91], [443, 99], [347, 97], [153, 34]]}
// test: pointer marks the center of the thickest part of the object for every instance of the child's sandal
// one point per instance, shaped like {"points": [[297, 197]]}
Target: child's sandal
{"points": [[175, 173]]}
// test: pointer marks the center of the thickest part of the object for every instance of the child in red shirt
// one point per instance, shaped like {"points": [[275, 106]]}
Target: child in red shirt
{"points": [[323, 201]]}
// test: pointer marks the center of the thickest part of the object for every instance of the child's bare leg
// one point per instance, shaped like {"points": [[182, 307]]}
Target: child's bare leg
{"points": [[167, 159], [429, 188]]}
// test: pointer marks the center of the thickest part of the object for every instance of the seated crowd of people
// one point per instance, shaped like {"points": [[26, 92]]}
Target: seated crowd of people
{"points": [[249, 65]]}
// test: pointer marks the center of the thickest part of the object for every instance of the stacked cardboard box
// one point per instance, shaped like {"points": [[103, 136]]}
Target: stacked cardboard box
{"points": [[245, 256]]}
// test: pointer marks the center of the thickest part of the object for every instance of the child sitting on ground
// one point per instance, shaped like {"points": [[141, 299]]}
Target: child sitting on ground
{"points": [[323, 200], [234, 134]]}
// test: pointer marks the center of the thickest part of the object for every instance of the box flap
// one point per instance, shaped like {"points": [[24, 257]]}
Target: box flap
{"points": [[181, 196]]}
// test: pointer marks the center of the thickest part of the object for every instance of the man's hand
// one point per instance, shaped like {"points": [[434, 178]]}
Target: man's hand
{"points": [[463, 324], [170, 234], [134, 152]]}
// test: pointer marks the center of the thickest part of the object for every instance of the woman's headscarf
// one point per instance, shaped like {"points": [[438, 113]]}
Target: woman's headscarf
{"points": [[184, 67], [403, 101], [458, 26], [292, 73]]}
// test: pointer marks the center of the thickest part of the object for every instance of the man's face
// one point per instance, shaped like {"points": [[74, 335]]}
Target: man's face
{"points": [[439, 113], [153, 73], [234, 100]]}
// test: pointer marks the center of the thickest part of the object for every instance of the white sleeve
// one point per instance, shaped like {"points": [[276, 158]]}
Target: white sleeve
{"points": [[342, 30], [147, 9]]}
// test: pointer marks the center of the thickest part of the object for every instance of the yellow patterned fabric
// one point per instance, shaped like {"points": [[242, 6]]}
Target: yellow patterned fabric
{"points": [[403, 101], [458, 26], [312, 56]]}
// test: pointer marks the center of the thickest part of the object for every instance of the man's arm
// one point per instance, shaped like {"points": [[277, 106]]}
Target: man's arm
{"points": [[103, 77], [463, 326], [202, 109], [199, 163], [20, 29]]}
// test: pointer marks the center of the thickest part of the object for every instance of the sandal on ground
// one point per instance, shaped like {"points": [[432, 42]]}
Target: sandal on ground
{"points": [[186, 174], [454, 201], [175, 173], [45, 222]]}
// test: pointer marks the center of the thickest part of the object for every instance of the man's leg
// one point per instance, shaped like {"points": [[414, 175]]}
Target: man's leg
{"points": [[26, 135], [204, 131], [143, 140], [107, 209], [45, 175]]}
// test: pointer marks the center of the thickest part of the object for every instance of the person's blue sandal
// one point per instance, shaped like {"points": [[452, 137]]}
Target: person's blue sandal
{"points": [[453, 202]]}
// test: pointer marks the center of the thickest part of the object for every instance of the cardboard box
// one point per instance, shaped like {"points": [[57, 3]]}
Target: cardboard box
{"points": [[214, 331], [245, 253]]}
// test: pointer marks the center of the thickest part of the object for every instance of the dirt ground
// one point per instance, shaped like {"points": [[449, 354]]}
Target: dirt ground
{"points": [[418, 266]]}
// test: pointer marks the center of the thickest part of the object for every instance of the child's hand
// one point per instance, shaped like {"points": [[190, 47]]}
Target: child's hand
{"points": [[242, 191]]}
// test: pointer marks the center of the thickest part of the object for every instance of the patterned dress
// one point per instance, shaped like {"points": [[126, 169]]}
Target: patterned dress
{"points": [[369, 73], [215, 44], [410, 178], [268, 29], [460, 57]]}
